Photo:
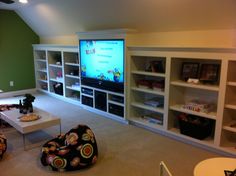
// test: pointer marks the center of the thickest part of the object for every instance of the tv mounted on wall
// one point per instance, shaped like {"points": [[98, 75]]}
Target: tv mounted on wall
{"points": [[102, 63]]}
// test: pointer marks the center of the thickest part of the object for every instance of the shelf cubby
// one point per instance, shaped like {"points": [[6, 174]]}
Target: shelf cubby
{"points": [[72, 93], [177, 76], [56, 73], [71, 58], [55, 58], [181, 95], [174, 124], [231, 78], [56, 87], [42, 84], [146, 118], [228, 140], [230, 97], [148, 65], [40, 55]]}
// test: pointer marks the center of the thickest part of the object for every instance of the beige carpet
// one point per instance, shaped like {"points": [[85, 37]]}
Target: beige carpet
{"points": [[124, 150]]}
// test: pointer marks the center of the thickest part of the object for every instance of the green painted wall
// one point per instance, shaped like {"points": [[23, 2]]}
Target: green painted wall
{"points": [[16, 52]]}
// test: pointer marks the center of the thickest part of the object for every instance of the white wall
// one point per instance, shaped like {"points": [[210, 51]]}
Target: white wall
{"points": [[209, 38], [64, 40]]}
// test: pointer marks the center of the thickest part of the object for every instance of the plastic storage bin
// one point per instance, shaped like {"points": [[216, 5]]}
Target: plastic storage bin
{"points": [[58, 88], [194, 126]]}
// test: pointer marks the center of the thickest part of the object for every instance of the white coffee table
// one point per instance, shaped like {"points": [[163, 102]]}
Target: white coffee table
{"points": [[46, 120], [215, 166]]}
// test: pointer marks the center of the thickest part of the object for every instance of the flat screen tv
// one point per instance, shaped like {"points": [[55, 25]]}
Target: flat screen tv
{"points": [[102, 64]]}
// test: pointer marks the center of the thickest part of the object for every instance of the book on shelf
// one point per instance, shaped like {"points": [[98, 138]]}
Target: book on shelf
{"points": [[153, 118], [155, 102]]}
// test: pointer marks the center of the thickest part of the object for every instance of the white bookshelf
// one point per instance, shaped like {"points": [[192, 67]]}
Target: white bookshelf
{"points": [[143, 70], [41, 69], [221, 93], [54, 64], [228, 133]]}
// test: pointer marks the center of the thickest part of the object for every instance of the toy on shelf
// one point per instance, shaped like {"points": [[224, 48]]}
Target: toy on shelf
{"points": [[156, 66], [199, 106]]}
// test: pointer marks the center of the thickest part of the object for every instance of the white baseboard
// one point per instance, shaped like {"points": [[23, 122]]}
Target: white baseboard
{"points": [[16, 93]]}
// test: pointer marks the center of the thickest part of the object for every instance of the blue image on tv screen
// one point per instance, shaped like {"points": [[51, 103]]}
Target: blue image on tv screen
{"points": [[102, 59]]}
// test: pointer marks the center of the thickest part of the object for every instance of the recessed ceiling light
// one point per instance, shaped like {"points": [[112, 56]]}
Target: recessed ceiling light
{"points": [[23, 1]]}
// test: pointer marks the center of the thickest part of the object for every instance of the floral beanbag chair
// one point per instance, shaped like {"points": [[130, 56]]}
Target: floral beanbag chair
{"points": [[75, 150]]}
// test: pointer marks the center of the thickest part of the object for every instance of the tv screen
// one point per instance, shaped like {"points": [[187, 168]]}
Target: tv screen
{"points": [[102, 60]]}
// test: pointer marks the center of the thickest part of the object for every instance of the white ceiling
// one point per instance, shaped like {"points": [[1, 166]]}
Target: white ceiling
{"points": [[66, 17]]}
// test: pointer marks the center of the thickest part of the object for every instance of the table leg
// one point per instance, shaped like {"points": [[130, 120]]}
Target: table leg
{"points": [[0, 122], [24, 141], [60, 128]]}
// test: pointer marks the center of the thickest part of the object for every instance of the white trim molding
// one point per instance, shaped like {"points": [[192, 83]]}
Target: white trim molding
{"points": [[16, 93]]}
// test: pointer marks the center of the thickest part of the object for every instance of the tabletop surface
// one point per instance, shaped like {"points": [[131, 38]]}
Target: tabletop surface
{"points": [[12, 117], [215, 166]]}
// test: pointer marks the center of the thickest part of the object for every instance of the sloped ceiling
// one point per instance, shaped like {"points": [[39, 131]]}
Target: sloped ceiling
{"points": [[66, 17]]}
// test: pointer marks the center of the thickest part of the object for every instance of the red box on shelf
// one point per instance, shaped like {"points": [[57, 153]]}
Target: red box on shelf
{"points": [[159, 85], [144, 84]]}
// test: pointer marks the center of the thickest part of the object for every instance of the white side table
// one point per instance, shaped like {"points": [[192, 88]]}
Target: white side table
{"points": [[215, 166]]}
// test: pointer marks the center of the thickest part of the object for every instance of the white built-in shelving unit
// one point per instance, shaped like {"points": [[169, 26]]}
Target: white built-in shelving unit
{"points": [[41, 69], [105, 102], [177, 92], [57, 71], [72, 75], [228, 135], [59, 65], [140, 70]]}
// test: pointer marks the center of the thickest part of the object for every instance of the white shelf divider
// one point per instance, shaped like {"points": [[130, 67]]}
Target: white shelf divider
{"points": [[151, 91], [211, 115], [148, 73], [195, 86]]}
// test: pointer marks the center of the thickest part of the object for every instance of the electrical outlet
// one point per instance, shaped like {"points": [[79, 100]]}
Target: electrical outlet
{"points": [[11, 83]]}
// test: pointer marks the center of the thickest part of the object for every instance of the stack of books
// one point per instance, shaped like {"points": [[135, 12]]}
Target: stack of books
{"points": [[153, 118], [155, 102]]}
